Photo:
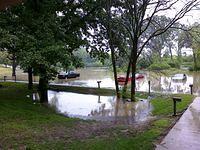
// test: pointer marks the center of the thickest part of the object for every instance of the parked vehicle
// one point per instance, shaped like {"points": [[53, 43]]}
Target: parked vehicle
{"points": [[62, 75], [179, 77], [72, 74], [69, 74], [123, 78]]}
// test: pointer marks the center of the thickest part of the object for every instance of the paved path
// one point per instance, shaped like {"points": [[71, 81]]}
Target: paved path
{"points": [[185, 135]]}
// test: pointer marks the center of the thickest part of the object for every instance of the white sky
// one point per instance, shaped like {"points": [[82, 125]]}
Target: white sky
{"points": [[190, 18]]}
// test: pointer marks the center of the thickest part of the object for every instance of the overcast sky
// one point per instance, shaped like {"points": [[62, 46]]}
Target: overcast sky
{"points": [[190, 18]]}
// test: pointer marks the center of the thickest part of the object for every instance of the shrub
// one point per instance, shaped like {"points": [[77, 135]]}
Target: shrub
{"points": [[174, 64], [159, 66]]}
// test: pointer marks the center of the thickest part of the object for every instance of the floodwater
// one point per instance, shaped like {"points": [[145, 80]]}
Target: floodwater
{"points": [[159, 82], [100, 108], [89, 77]]}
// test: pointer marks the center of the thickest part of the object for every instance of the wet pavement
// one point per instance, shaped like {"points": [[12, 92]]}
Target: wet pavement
{"points": [[185, 135], [100, 108]]}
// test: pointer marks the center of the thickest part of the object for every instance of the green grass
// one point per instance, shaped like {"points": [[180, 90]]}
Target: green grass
{"points": [[27, 125], [23, 122], [94, 91], [83, 90], [164, 105]]}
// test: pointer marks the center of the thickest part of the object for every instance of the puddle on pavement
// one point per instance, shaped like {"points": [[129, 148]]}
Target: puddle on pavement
{"points": [[100, 108]]}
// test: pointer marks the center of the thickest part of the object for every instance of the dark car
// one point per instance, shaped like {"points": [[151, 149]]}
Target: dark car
{"points": [[72, 74], [62, 75]]}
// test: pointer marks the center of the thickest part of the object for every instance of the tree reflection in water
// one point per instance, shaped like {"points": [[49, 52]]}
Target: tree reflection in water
{"points": [[103, 108]]}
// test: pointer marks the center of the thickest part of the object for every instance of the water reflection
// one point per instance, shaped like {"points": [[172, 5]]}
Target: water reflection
{"points": [[196, 83], [103, 108], [159, 82], [89, 77]]}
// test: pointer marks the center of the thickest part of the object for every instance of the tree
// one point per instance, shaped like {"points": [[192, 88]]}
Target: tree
{"points": [[195, 45], [164, 43], [9, 40], [46, 38], [103, 37], [133, 18], [4, 58], [45, 45]]}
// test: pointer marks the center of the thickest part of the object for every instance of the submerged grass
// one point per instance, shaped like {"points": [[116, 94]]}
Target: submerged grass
{"points": [[25, 125], [94, 91]]}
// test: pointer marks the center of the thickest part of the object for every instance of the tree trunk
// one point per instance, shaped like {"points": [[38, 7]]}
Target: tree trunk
{"points": [[114, 70], [127, 76], [170, 51], [30, 78], [133, 60], [195, 61], [43, 85], [110, 36], [14, 65], [179, 54], [133, 66]]}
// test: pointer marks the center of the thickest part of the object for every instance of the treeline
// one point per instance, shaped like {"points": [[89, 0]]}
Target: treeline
{"points": [[40, 34]]}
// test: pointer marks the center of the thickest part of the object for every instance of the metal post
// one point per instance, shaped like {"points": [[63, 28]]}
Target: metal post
{"points": [[174, 107], [98, 82], [99, 99], [149, 83], [175, 99], [4, 78], [15, 78], [191, 88]]}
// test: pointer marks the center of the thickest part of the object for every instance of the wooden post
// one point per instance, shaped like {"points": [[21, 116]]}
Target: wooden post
{"points": [[191, 89], [98, 82], [149, 83], [15, 78], [4, 78], [175, 99]]}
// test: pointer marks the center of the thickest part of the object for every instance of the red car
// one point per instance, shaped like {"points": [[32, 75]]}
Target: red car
{"points": [[123, 79]]}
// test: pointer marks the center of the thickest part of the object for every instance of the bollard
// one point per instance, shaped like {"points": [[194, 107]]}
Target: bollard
{"points": [[98, 82], [15, 78], [149, 83], [99, 99], [191, 88], [4, 78], [175, 99]]}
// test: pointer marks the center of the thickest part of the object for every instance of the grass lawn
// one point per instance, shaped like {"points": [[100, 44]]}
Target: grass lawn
{"points": [[25, 125], [5, 71]]}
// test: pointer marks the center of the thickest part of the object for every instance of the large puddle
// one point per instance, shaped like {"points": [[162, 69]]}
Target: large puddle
{"points": [[101, 108], [159, 83]]}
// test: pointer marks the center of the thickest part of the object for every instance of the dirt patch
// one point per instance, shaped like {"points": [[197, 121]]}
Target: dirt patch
{"points": [[85, 130]]}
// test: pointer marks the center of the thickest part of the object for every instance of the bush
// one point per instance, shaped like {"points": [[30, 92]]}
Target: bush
{"points": [[160, 66], [191, 68], [174, 64]]}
